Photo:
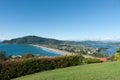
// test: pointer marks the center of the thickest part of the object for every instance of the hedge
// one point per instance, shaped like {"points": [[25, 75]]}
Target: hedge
{"points": [[92, 60], [13, 69]]}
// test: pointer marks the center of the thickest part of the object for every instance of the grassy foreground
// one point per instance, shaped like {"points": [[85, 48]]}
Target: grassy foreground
{"points": [[101, 71]]}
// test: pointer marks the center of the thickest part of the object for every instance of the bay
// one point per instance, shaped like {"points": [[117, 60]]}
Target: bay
{"points": [[17, 49], [111, 49]]}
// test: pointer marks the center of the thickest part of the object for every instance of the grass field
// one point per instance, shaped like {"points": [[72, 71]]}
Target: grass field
{"points": [[101, 71]]}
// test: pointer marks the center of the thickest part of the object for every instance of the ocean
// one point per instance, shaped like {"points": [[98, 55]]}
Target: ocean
{"points": [[17, 49], [111, 48]]}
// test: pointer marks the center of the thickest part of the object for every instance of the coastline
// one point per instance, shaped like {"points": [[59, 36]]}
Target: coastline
{"points": [[54, 50], [60, 51]]}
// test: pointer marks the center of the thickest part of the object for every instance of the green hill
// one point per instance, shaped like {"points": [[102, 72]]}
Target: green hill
{"points": [[33, 40], [47, 41], [101, 71]]}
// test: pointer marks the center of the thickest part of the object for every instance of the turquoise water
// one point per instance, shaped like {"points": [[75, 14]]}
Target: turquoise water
{"points": [[15, 49]]}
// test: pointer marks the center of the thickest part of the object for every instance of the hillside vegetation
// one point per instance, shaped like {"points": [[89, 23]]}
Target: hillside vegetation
{"points": [[47, 41], [33, 40], [101, 71]]}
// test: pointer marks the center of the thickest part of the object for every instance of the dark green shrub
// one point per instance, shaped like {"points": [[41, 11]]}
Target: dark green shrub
{"points": [[13, 69], [92, 60], [112, 58], [2, 55], [28, 55]]}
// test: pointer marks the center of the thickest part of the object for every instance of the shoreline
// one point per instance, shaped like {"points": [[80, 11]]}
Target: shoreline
{"points": [[60, 51], [54, 50]]}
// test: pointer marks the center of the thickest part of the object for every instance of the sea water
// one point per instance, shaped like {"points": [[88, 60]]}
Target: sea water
{"points": [[17, 49]]}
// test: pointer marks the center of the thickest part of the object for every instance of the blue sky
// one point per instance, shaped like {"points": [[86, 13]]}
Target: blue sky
{"points": [[60, 19]]}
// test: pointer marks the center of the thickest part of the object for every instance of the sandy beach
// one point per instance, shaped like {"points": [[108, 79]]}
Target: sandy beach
{"points": [[60, 51], [55, 50]]}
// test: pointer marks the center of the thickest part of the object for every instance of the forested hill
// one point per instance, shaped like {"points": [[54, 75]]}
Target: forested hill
{"points": [[48, 41], [33, 40], [41, 40]]}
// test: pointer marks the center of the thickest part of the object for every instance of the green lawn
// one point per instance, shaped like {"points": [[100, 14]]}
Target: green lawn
{"points": [[101, 71]]}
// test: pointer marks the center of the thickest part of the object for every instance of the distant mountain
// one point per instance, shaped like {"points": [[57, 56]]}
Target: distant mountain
{"points": [[48, 41], [33, 40]]}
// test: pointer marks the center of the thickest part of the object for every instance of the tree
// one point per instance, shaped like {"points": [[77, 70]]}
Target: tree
{"points": [[112, 57], [2, 55], [118, 50], [9, 57], [117, 55], [105, 54], [28, 55]]}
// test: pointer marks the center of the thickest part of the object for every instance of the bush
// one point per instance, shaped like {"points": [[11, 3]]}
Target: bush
{"points": [[13, 69], [92, 60], [112, 58], [117, 55], [28, 55], [2, 55]]}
